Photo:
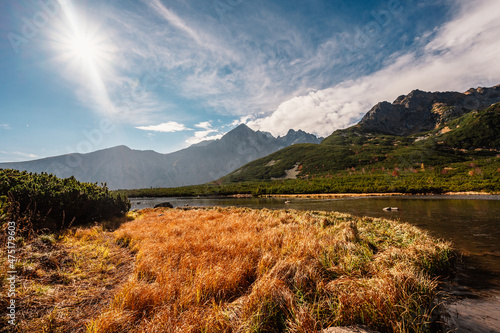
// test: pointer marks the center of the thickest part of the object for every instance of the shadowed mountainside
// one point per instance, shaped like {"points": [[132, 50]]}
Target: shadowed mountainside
{"points": [[125, 168]]}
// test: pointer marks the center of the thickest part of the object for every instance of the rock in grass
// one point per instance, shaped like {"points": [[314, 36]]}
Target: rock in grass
{"points": [[164, 204]]}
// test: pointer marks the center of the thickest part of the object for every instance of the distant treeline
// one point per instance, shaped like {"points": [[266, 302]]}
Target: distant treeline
{"points": [[44, 201], [478, 175]]}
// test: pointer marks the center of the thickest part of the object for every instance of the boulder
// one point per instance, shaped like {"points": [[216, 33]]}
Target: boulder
{"points": [[164, 204]]}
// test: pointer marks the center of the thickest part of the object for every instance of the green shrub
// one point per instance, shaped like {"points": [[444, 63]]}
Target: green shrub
{"points": [[45, 201]]}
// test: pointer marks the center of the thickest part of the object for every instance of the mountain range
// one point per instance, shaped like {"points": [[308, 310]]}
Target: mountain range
{"points": [[435, 129], [124, 168]]}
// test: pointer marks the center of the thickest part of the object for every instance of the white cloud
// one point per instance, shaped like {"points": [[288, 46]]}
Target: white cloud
{"points": [[5, 126], [206, 134], [205, 125], [319, 112], [17, 156], [202, 136], [170, 126], [463, 53]]}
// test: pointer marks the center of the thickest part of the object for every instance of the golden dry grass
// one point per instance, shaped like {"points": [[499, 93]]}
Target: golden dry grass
{"points": [[65, 280], [243, 270]]}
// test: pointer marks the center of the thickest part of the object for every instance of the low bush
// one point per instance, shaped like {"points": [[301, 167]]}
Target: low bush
{"points": [[43, 200]]}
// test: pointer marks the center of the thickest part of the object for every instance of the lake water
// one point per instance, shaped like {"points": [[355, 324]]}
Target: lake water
{"points": [[472, 223]]}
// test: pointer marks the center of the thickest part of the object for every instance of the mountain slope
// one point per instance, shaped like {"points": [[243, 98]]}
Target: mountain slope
{"points": [[122, 167], [117, 166], [457, 135], [421, 111]]}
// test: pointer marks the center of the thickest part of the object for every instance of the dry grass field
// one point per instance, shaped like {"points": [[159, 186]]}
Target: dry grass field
{"points": [[64, 280], [243, 270]]}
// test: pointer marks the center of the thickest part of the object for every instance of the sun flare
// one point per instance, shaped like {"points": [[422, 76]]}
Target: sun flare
{"points": [[81, 42], [84, 48]]}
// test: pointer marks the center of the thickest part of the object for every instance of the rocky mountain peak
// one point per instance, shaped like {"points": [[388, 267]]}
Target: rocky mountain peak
{"points": [[241, 132], [422, 111], [298, 136]]}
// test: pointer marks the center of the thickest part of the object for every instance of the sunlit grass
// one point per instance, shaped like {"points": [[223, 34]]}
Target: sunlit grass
{"points": [[65, 279], [243, 270]]}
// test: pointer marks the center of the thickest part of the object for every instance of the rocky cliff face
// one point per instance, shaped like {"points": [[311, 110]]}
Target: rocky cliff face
{"points": [[422, 111], [124, 168]]}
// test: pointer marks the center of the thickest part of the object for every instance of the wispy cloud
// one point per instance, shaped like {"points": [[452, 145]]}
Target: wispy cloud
{"points": [[5, 126], [205, 61], [174, 20], [15, 156], [206, 134], [167, 127], [460, 54]]}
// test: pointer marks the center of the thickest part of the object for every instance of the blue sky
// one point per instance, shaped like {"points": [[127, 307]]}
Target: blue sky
{"points": [[78, 76]]}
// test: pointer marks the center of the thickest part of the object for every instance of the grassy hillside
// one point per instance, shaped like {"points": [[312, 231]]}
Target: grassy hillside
{"points": [[462, 155], [479, 175], [473, 136]]}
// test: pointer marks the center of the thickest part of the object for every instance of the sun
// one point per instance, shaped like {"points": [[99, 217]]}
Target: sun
{"points": [[84, 48], [80, 41]]}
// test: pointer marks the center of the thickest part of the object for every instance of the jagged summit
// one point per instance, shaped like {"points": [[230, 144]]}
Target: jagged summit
{"points": [[239, 131], [422, 111]]}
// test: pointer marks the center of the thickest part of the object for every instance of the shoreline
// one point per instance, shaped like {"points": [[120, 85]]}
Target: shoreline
{"points": [[331, 195], [355, 195]]}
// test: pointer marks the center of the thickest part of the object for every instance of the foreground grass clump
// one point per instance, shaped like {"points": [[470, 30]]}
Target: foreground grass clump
{"points": [[64, 279], [243, 270]]}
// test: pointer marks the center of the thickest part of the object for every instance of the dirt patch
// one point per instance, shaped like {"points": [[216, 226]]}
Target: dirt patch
{"points": [[290, 173], [445, 130]]}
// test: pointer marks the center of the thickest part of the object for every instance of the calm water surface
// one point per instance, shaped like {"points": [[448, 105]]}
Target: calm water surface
{"points": [[472, 223]]}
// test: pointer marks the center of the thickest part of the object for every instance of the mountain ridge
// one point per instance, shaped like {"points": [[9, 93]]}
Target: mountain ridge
{"points": [[423, 111], [124, 168]]}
